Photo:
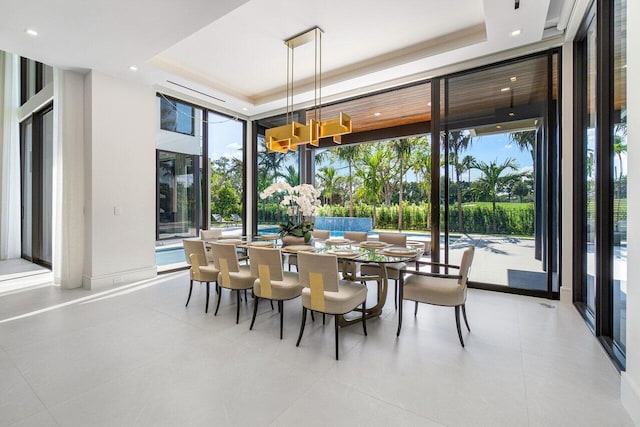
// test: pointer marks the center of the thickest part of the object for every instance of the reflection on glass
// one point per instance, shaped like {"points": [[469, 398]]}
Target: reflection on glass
{"points": [[176, 194], [176, 117], [226, 171], [620, 176], [590, 145], [47, 186], [26, 155]]}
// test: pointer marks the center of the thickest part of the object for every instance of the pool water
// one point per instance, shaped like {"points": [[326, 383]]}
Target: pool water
{"points": [[166, 256]]}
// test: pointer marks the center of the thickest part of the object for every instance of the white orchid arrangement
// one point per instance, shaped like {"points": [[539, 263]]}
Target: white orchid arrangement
{"points": [[302, 201]]}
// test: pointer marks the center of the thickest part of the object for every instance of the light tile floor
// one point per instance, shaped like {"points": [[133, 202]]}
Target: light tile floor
{"points": [[136, 356]]}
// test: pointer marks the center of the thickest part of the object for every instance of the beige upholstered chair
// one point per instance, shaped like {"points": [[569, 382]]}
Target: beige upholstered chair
{"points": [[272, 283], [356, 236], [232, 275], [316, 234], [212, 234], [438, 289], [325, 293], [393, 270], [201, 269]]}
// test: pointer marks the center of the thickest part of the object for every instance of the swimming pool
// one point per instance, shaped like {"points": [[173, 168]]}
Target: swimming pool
{"points": [[166, 256]]}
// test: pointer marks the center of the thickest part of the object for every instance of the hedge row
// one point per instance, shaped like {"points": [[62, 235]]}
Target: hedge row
{"points": [[510, 218]]}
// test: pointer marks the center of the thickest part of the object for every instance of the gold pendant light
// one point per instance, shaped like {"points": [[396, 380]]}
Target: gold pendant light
{"points": [[290, 136]]}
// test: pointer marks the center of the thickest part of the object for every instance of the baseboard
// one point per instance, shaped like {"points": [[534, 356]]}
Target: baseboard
{"points": [[630, 396], [116, 279], [566, 294]]}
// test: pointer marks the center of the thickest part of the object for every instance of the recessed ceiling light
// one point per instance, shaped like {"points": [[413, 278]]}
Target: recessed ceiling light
{"points": [[515, 33], [429, 104], [498, 127], [505, 89], [244, 108], [133, 68], [32, 33], [377, 114], [512, 114], [513, 79]]}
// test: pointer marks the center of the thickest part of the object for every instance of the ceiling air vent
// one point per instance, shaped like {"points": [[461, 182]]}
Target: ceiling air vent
{"points": [[196, 91], [517, 5]]}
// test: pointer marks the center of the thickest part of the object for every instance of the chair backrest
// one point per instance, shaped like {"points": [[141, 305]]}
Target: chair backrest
{"points": [[356, 236], [465, 264], [196, 247], [397, 239], [266, 265], [224, 254], [210, 234], [318, 271], [321, 234]]}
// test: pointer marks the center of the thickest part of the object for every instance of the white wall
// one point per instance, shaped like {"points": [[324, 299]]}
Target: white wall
{"points": [[120, 201], [630, 388], [68, 201]]}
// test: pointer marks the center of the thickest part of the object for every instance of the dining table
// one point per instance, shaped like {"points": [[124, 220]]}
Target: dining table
{"points": [[350, 254]]}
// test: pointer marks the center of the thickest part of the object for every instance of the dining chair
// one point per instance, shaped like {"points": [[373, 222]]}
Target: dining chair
{"points": [[325, 293], [201, 269], [448, 290], [316, 234], [212, 234], [232, 276], [272, 282], [356, 236], [393, 270]]}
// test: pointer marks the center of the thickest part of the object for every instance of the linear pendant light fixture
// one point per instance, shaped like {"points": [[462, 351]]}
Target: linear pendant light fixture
{"points": [[288, 137]]}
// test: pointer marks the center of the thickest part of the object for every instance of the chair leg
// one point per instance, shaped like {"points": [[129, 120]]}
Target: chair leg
{"points": [[400, 303], [218, 303], [364, 317], [281, 308], [395, 297], [313, 318], [255, 311], [335, 320], [246, 300], [304, 319], [271, 301], [464, 315], [190, 289], [323, 318], [458, 325], [238, 306], [206, 307], [415, 310]]}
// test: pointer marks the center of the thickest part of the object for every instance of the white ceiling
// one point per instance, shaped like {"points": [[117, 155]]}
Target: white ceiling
{"points": [[233, 49]]}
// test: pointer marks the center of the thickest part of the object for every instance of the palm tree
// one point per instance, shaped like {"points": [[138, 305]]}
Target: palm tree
{"points": [[421, 166], [458, 142], [493, 182], [526, 141], [402, 149], [349, 154], [291, 175], [330, 180], [371, 189]]}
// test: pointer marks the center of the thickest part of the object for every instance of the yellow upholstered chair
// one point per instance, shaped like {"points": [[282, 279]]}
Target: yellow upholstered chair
{"points": [[393, 270], [272, 282], [210, 235], [232, 275], [201, 269], [325, 293], [447, 290]]}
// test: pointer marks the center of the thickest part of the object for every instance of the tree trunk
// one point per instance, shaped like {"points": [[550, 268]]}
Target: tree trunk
{"points": [[350, 191], [374, 225], [400, 198], [493, 217]]}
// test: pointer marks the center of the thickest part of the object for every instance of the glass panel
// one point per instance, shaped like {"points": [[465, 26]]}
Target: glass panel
{"points": [[226, 172], [273, 167], [26, 155], [47, 186], [386, 181], [620, 175], [497, 172], [176, 117], [47, 75], [179, 173], [589, 172], [177, 194]]}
